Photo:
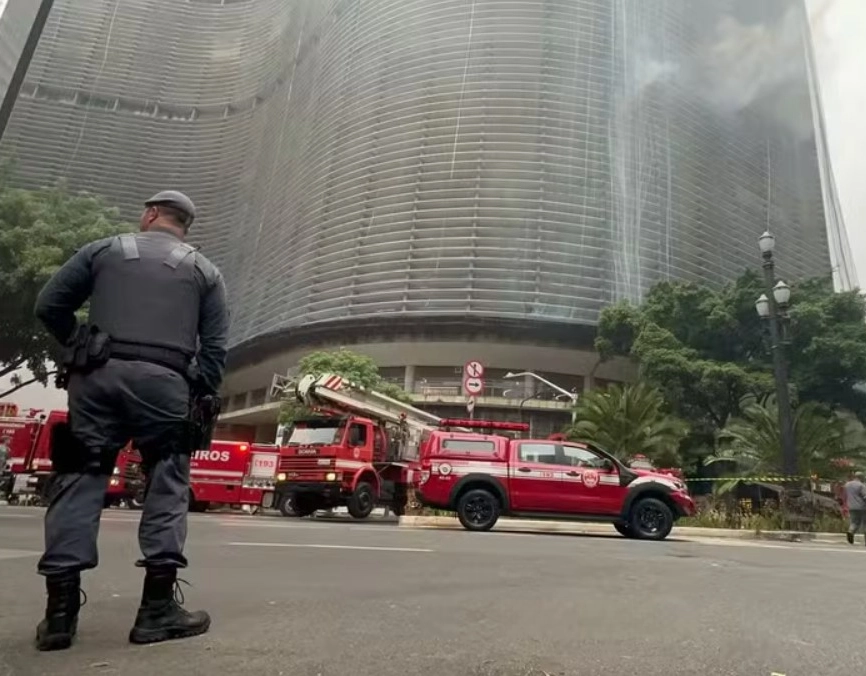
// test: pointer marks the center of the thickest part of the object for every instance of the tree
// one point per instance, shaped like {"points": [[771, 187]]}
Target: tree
{"points": [[706, 350], [355, 368], [824, 438], [39, 230], [629, 420]]}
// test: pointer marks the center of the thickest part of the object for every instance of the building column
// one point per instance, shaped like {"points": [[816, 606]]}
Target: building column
{"points": [[528, 386], [588, 383], [409, 379]]}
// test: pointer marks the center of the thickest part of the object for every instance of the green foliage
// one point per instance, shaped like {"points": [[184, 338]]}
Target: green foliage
{"points": [[706, 350], [356, 368], [628, 420], [823, 438], [39, 231]]}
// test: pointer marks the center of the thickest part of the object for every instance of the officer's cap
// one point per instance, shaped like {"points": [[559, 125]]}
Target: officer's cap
{"points": [[175, 200]]}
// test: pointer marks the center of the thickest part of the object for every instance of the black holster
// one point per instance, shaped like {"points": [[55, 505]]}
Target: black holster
{"points": [[88, 349], [203, 413], [71, 456]]}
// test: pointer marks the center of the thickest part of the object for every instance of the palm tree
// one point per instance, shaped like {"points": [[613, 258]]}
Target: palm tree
{"points": [[823, 439], [629, 420]]}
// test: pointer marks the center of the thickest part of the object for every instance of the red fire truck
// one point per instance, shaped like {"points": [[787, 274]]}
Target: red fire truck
{"points": [[479, 476], [232, 473], [357, 453], [28, 464]]}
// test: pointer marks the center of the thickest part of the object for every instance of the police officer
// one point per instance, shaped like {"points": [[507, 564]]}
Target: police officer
{"points": [[163, 306]]}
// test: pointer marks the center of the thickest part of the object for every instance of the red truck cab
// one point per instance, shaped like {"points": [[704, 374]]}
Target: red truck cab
{"points": [[338, 461], [484, 476], [126, 484]]}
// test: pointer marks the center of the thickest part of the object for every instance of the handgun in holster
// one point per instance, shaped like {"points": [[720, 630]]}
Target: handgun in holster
{"points": [[203, 413]]}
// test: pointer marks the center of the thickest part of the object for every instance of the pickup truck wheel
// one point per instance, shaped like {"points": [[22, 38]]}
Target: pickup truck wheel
{"points": [[651, 519], [623, 529], [478, 510], [362, 501]]}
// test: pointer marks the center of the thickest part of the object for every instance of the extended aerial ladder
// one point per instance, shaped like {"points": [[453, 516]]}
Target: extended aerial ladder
{"points": [[333, 394]]}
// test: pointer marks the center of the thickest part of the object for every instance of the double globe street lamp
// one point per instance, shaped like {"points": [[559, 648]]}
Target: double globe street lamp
{"points": [[772, 307]]}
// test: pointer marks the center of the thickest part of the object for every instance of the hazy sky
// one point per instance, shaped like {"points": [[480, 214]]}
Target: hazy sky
{"points": [[839, 26]]}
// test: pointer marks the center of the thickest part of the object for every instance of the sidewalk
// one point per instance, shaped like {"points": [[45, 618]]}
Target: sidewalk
{"points": [[579, 528]]}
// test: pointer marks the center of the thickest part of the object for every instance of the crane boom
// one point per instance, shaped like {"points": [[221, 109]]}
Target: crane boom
{"points": [[407, 423], [335, 392]]}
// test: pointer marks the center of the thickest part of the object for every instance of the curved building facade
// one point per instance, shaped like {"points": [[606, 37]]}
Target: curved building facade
{"points": [[525, 160], [124, 97], [432, 181]]}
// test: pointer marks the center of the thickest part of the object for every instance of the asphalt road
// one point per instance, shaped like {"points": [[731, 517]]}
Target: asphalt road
{"points": [[319, 598]]}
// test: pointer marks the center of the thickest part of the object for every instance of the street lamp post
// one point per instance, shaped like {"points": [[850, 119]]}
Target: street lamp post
{"points": [[572, 396], [773, 308]]}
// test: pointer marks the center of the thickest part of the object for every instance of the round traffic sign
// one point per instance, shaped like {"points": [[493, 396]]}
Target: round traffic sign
{"points": [[473, 369], [473, 386]]}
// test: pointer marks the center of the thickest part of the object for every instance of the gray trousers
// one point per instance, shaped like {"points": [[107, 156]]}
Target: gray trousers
{"points": [[120, 401], [856, 520]]}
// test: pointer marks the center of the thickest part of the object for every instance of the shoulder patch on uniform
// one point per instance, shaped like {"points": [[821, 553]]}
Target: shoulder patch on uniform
{"points": [[208, 270], [178, 254], [129, 247]]}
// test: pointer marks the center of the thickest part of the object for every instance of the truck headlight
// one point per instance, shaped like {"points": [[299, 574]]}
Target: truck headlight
{"points": [[281, 476], [115, 471], [331, 476]]}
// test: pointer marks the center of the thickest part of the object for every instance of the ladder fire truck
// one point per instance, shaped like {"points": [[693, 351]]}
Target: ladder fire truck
{"points": [[360, 450]]}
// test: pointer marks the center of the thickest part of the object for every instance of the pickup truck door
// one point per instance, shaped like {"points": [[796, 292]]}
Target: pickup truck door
{"points": [[534, 477], [590, 487]]}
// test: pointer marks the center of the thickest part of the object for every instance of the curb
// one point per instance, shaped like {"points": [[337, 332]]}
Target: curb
{"points": [[578, 528]]}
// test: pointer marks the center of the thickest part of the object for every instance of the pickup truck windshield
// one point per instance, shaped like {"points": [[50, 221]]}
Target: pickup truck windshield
{"points": [[314, 436]]}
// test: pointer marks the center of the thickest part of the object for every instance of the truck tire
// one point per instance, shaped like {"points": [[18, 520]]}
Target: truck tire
{"points": [[304, 505], [362, 501], [651, 519], [197, 505], [135, 502], [623, 529], [287, 506], [478, 509]]}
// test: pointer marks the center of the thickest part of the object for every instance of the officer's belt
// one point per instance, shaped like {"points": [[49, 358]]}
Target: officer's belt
{"points": [[162, 356]]}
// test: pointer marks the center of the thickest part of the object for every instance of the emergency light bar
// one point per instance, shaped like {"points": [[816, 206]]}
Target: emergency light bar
{"points": [[485, 424]]}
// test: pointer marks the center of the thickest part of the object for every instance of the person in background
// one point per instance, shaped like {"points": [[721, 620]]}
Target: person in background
{"points": [[855, 499]]}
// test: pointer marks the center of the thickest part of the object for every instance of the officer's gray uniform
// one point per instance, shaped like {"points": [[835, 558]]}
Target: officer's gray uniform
{"points": [[159, 300]]}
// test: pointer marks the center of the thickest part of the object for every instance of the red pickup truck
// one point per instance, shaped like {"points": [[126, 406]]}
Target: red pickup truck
{"points": [[484, 476]]}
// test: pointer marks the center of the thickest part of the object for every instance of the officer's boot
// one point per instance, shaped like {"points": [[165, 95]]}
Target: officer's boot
{"points": [[161, 616], [58, 628]]}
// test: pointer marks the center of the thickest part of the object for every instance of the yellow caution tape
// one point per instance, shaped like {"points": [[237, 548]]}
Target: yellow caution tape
{"points": [[764, 479]]}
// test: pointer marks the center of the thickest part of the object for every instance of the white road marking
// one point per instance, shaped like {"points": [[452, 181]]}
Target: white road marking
{"points": [[19, 516], [350, 547], [305, 526], [793, 546], [251, 524], [16, 554]]}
